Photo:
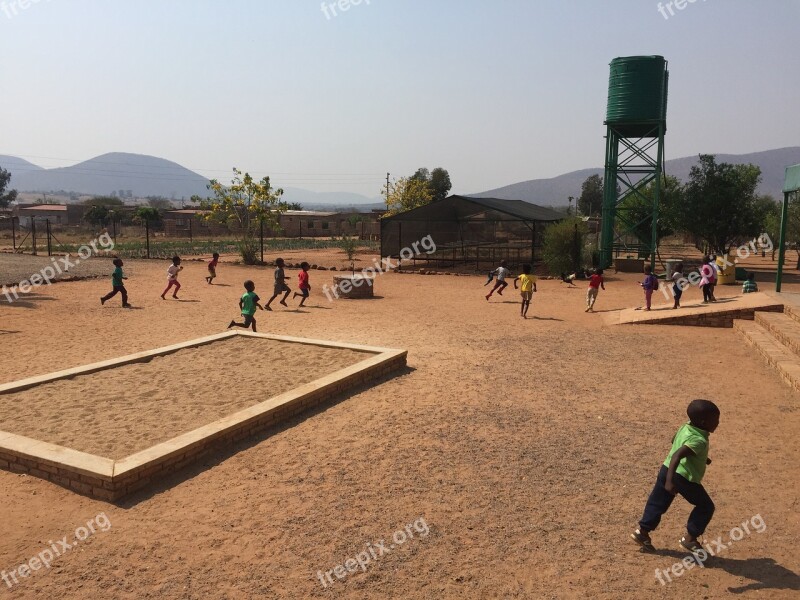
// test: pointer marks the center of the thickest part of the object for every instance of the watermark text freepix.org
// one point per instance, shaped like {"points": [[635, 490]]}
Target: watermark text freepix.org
{"points": [[373, 551], [342, 5], [11, 8], [665, 8], [58, 266], [714, 548], [379, 267], [55, 549]]}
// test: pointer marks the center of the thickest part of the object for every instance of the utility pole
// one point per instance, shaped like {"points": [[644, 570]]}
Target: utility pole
{"points": [[387, 188]]}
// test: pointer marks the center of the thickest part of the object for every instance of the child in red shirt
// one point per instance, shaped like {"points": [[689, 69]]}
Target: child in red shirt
{"points": [[596, 282], [302, 283], [212, 267]]}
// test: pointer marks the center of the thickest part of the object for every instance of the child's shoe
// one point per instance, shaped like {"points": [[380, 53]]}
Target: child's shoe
{"points": [[692, 546], [643, 539]]}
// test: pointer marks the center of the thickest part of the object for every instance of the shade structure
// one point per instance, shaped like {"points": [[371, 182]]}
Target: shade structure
{"points": [[464, 229]]}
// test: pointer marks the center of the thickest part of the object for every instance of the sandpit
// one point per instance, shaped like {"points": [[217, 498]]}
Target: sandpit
{"points": [[120, 411]]}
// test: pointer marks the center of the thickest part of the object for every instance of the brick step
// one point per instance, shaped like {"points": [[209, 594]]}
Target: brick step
{"points": [[779, 356], [792, 312], [783, 327]]}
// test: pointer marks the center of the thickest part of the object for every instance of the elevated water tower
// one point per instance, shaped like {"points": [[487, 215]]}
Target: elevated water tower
{"points": [[636, 121]]}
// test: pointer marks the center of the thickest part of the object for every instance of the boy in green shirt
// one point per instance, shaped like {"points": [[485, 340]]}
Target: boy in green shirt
{"points": [[117, 286], [682, 473], [247, 304]]}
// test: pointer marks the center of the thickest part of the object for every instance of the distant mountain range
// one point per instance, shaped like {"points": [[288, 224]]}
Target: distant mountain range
{"points": [[556, 191], [144, 175]]}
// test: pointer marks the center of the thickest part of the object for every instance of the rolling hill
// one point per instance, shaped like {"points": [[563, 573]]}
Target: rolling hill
{"points": [[151, 176], [555, 191], [144, 176]]}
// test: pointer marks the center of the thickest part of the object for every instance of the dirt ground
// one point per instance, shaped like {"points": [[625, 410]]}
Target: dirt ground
{"points": [[524, 448]]}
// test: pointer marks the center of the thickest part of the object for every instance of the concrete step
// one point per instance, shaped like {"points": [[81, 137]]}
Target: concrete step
{"points": [[783, 327], [792, 311], [779, 356]]}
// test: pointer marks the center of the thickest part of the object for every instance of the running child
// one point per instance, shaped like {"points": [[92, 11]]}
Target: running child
{"points": [[302, 283], [212, 267], [117, 285], [527, 287], [596, 282], [681, 473], [707, 277], [172, 277], [677, 285], [280, 285], [650, 285], [502, 272], [248, 304]]}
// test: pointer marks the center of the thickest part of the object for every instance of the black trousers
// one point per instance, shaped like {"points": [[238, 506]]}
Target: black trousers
{"points": [[660, 500], [118, 289]]}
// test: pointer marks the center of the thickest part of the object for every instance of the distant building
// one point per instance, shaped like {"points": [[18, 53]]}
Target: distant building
{"points": [[55, 213], [294, 224]]}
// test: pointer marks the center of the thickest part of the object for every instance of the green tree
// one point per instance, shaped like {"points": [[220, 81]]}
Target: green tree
{"points": [[97, 215], [294, 206], [406, 194], [636, 209], [437, 181], [772, 224], [563, 246], [243, 206], [6, 198], [720, 204], [349, 245], [422, 174], [590, 202], [148, 214], [440, 183]]}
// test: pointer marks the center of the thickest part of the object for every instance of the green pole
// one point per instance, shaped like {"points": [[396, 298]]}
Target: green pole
{"points": [[657, 195], [782, 241], [609, 199]]}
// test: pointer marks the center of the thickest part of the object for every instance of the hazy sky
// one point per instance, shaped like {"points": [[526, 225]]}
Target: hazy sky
{"points": [[494, 91]]}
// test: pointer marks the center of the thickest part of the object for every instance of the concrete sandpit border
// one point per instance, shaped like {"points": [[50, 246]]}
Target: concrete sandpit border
{"points": [[110, 480]]}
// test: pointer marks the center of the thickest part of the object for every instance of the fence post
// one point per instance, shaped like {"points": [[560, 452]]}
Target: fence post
{"points": [[147, 236], [33, 233], [49, 236], [262, 241], [191, 217], [13, 233]]}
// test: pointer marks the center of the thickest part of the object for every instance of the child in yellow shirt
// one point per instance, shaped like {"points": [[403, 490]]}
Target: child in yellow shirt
{"points": [[527, 287]]}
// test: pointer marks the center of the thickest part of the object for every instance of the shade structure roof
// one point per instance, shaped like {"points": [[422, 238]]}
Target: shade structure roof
{"points": [[464, 207]]}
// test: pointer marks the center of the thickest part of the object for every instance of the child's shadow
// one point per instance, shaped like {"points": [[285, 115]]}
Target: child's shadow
{"points": [[765, 573]]}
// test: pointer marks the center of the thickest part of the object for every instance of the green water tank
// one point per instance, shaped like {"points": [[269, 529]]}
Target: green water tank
{"points": [[637, 93]]}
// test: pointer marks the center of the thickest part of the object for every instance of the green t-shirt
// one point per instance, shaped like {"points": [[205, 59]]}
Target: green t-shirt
{"points": [[249, 300], [692, 467], [116, 277]]}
